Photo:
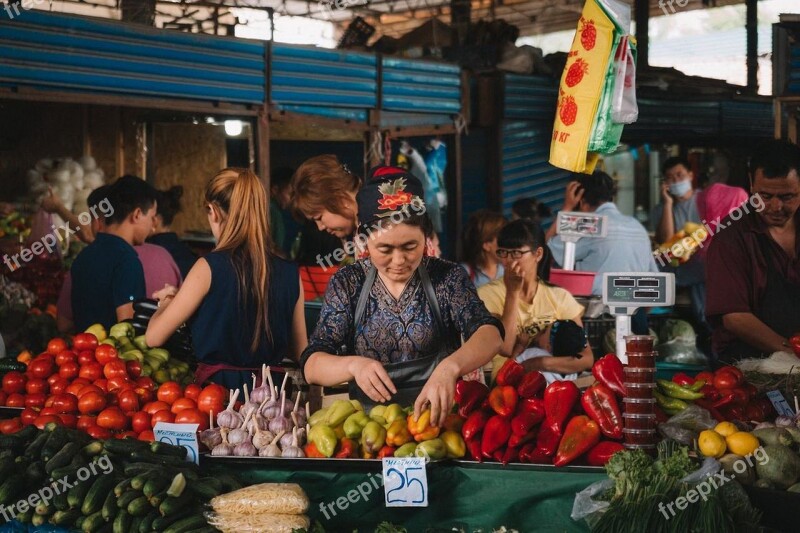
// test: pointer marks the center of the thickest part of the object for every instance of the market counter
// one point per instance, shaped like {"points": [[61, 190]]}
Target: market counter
{"points": [[463, 495]]}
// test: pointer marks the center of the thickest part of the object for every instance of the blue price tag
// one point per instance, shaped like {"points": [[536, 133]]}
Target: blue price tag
{"points": [[179, 435], [405, 482], [780, 403]]}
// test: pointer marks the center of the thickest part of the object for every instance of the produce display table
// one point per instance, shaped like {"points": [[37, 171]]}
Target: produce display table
{"points": [[464, 495]]}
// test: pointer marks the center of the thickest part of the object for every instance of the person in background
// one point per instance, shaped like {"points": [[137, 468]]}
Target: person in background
{"points": [[753, 273], [433, 246], [313, 247], [242, 301], [526, 303], [107, 275], [169, 205], [282, 224], [324, 190], [52, 204], [530, 209], [562, 338], [714, 203], [480, 247]]}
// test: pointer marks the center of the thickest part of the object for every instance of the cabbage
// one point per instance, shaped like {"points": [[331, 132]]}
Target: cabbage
{"points": [[679, 330]]}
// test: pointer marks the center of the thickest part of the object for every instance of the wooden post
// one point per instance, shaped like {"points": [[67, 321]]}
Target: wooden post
{"points": [[642, 14], [751, 25], [86, 139], [262, 147]]}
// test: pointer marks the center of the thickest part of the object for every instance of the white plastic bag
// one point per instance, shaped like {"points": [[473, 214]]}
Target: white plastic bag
{"points": [[624, 109], [585, 504]]}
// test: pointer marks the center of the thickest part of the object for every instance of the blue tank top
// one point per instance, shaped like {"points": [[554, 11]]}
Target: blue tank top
{"points": [[223, 326]]}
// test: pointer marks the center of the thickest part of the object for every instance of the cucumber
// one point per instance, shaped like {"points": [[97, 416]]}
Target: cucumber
{"points": [[44, 508], [9, 364], [163, 448], [206, 529], [138, 482], [139, 507], [34, 449], [187, 524], [25, 517], [70, 471], [134, 469], [147, 521], [155, 458], [93, 523], [155, 485], [77, 494], [97, 494], [65, 518], [125, 446], [60, 501], [122, 486], [93, 449], [128, 497], [229, 483], [38, 520], [10, 488], [10, 442], [171, 504], [206, 488], [163, 522], [7, 466], [78, 525], [159, 497], [136, 521], [56, 441], [122, 522], [63, 457], [36, 473], [28, 433], [109, 510]]}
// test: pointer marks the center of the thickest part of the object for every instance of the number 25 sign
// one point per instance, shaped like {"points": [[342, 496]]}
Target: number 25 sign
{"points": [[405, 482]]}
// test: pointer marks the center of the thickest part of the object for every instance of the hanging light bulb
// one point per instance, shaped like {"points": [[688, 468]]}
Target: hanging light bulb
{"points": [[233, 128]]}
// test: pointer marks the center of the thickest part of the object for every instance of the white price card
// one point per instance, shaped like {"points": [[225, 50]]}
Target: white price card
{"points": [[405, 482], [780, 403], [179, 435]]}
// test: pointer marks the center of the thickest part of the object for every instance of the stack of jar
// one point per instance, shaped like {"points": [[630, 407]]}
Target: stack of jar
{"points": [[639, 404]]}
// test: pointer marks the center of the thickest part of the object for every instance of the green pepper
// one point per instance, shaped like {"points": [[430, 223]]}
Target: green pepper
{"points": [[433, 448], [670, 405], [324, 438], [394, 412], [318, 417], [674, 390], [697, 385], [338, 412], [373, 437], [406, 450], [355, 424]]}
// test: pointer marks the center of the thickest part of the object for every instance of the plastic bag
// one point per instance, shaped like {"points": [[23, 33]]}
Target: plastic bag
{"points": [[588, 506], [678, 351], [624, 109], [686, 425], [709, 467]]}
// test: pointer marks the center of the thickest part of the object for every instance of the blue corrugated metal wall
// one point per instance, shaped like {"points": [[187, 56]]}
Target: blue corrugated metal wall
{"points": [[793, 81], [421, 86], [54, 51]]}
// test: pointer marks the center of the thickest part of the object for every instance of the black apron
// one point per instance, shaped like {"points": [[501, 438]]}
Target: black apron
{"points": [[779, 308], [409, 377]]}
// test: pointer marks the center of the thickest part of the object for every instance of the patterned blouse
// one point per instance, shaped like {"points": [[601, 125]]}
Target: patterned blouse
{"points": [[394, 331]]}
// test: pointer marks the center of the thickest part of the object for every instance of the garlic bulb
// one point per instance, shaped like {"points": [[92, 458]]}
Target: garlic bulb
{"points": [[257, 422], [230, 418], [240, 434], [249, 405], [271, 449], [286, 440], [224, 448], [280, 422], [265, 390], [212, 436], [245, 449], [293, 450], [261, 439]]}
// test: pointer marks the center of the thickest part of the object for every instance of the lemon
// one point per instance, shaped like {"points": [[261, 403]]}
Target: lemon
{"points": [[711, 444], [726, 428], [742, 443]]}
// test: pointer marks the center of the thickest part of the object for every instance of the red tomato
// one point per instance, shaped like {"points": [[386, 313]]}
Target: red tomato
{"points": [[52, 379], [97, 432], [14, 382], [725, 380], [134, 369], [35, 400], [74, 388], [169, 392], [86, 356], [59, 386], [3, 397], [146, 382], [56, 346], [103, 384], [42, 420], [10, 425], [145, 396], [153, 407], [48, 411], [84, 341], [15, 400], [192, 416], [68, 420], [128, 401], [28, 415], [105, 353], [67, 356], [36, 386], [708, 377], [112, 418], [65, 403], [91, 402], [162, 416], [147, 436], [140, 421], [115, 368], [733, 369], [127, 435], [192, 391], [41, 368], [182, 403], [91, 371], [90, 388], [119, 383], [85, 422], [69, 370], [212, 399]]}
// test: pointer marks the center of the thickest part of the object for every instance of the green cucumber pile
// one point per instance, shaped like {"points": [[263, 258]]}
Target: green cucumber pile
{"points": [[66, 478]]}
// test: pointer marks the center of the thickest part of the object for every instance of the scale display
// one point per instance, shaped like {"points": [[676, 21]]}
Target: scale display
{"points": [[635, 290], [572, 223]]}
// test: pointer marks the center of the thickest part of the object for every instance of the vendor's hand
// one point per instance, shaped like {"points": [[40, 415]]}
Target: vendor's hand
{"points": [[438, 393], [52, 202], [666, 197], [572, 196], [372, 378], [512, 278], [166, 293]]}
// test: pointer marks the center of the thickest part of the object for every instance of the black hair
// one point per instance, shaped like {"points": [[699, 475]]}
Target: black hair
{"points": [[598, 187], [674, 162], [775, 159], [127, 194], [422, 221], [169, 204], [524, 232], [531, 208], [281, 177], [98, 195]]}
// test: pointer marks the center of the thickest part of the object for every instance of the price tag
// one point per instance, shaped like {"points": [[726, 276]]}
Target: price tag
{"points": [[780, 403], [179, 435], [405, 482]]}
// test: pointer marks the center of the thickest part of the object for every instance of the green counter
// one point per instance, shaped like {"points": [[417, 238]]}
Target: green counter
{"points": [[463, 495]]}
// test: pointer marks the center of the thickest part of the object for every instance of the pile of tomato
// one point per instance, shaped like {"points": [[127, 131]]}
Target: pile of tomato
{"points": [[89, 387]]}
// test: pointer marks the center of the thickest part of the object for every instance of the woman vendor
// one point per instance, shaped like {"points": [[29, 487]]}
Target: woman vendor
{"points": [[392, 324], [526, 303]]}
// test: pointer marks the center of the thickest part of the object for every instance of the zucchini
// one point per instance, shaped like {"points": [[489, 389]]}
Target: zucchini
{"points": [[77, 494], [126, 498], [189, 523], [109, 510], [171, 504], [93, 523], [97, 494], [147, 521], [122, 486], [63, 457], [155, 485], [163, 448], [177, 486], [93, 449], [139, 507], [65, 518], [125, 446], [122, 522]]}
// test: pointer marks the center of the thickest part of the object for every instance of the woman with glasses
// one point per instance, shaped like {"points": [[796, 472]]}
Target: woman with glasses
{"points": [[480, 247], [526, 303], [392, 324]]}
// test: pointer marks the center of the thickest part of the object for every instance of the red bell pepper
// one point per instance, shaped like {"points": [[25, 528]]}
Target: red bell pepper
{"points": [[559, 399], [347, 449], [532, 384], [547, 439], [581, 435], [608, 371], [511, 455], [794, 342], [498, 454], [474, 424], [710, 392], [511, 374], [495, 435], [469, 396], [532, 405], [525, 453], [601, 405], [474, 449], [683, 379], [602, 452], [724, 401], [503, 400], [386, 451], [538, 456], [515, 441], [524, 422]]}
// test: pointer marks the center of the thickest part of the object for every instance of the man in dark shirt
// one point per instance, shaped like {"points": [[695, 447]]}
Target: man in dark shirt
{"points": [[753, 266], [107, 275]]}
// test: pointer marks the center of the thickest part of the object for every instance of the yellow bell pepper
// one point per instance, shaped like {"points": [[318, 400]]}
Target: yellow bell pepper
{"points": [[454, 444], [421, 429], [398, 434]]}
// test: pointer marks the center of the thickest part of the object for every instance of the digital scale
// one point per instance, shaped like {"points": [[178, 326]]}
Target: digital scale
{"points": [[572, 226], [626, 292]]}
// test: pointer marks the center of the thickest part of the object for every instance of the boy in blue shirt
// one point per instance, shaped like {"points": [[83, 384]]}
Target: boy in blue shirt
{"points": [[107, 275]]}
